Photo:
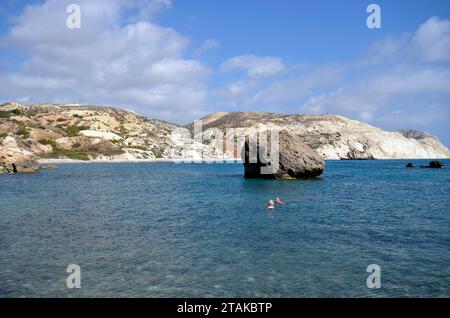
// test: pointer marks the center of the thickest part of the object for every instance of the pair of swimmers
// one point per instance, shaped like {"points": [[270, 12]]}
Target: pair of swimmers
{"points": [[277, 201]]}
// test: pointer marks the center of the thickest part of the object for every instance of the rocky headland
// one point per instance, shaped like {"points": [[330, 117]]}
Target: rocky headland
{"points": [[339, 138], [40, 132]]}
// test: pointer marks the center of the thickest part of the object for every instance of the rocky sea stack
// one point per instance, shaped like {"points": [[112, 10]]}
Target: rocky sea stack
{"points": [[296, 160]]}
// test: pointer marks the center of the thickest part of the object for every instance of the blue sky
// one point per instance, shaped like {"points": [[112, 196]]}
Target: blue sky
{"points": [[181, 59]]}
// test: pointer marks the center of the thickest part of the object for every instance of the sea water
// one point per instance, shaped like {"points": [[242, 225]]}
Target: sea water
{"points": [[202, 230]]}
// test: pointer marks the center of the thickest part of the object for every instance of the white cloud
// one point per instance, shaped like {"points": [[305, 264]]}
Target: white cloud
{"points": [[296, 82], [238, 88], [255, 66], [430, 43], [386, 50], [297, 86], [364, 99], [147, 9], [432, 40], [430, 115], [408, 78], [139, 65], [207, 45]]}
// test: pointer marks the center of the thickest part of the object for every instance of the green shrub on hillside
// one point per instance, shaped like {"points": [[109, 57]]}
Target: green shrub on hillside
{"points": [[23, 131], [48, 142], [75, 154], [72, 131], [75, 130], [8, 113], [139, 147]]}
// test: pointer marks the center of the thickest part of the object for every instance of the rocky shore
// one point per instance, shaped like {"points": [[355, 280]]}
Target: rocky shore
{"points": [[16, 160], [46, 132]]}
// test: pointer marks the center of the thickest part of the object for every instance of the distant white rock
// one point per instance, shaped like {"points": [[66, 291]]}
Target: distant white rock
{"points": [[100, 134]]}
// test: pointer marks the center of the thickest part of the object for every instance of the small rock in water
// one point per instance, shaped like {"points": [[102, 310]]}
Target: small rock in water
{"points": [[435, 164], [49, 166], [409, 165], [27, 166]]}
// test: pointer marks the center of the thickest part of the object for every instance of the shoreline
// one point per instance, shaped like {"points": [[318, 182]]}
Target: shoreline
{"points": [[59, 161], [162, 160]]}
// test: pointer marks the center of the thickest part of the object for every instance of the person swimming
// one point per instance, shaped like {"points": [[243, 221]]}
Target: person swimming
{"points": [[271, 205], [278, 200]]}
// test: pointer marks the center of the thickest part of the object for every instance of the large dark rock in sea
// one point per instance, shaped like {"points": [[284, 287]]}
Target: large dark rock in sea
{"points": [[409, 165], [296, 160]]}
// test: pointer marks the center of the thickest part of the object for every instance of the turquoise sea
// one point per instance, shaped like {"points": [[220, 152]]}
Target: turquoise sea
{"points": [[202, 230]]}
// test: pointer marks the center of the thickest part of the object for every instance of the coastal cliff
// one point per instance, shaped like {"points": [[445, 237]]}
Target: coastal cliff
{"points": [[77, 132], [337, 137], [49, 131]]}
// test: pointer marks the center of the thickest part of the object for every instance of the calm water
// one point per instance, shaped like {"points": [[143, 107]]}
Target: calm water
{"points": [[201, 230]]}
